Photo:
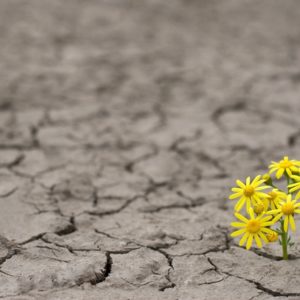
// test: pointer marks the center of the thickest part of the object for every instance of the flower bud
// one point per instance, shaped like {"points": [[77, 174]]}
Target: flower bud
{"points": [[272, 237], [267, 178], [259, 208]]}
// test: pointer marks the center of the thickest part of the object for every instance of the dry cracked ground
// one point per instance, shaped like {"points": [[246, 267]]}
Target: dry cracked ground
{"points": [[123, 124]]}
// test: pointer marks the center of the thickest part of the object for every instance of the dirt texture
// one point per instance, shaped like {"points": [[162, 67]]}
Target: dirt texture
{"points": [[123, 125]]}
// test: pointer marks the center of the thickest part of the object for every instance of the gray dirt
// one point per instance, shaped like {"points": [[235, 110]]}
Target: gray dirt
{"points": [[123, 125]]}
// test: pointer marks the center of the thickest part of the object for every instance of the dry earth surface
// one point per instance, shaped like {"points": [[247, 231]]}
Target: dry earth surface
{"points": [[123, 123]]}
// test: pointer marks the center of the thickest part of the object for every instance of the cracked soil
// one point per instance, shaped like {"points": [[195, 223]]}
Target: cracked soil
{"points": [[123, 124]]}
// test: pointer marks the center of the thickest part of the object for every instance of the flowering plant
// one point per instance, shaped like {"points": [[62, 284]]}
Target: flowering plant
{"points": [[271, 210]]}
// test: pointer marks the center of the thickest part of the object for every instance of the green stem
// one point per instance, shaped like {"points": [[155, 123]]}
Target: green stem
{"points": [[284, 236]]}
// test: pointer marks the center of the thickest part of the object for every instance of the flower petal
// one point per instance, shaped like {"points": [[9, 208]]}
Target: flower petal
{"points": [[249, 242], [239, 204], [256, 182], [240, 184], [296, 177], [258, 241], [289, 172], [238, 224], [286, 224], [279, 173], [251, 213], [292, 222], [262, 235], [293, 189], [276, 218], [238, 232], [256, 179], [265, 224], [244, 238], [273, 212], [241, 217], [266, 230], [256, 198], [248, 180], [265, 219], [234, 196], [262, 188], [248, 204], [237, 190]]}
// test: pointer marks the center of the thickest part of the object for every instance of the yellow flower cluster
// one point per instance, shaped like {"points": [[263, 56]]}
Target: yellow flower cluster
{"points": [[267, 205]]}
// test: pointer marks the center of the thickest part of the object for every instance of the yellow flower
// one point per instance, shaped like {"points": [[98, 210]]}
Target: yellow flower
{"points": [[273, 199], [253, 228], [295, 186], [249, 192], [259, 208], [267, 178], [285, 165], [287, 209], [272, 237]]}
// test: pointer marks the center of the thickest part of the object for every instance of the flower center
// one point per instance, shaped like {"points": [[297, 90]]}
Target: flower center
{"points": [[249, 191], [285, 164], [253, 226], [287, 208]]}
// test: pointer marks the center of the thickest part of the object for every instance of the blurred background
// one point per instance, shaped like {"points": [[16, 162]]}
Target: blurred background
{"points": [[145, 110], [175, 92], [223, 75], [200, 89]]}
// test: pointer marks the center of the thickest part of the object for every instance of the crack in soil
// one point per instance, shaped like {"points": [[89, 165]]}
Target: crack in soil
{"points": [[257, 284], [113, 211], [172, 206], [102, 276]]}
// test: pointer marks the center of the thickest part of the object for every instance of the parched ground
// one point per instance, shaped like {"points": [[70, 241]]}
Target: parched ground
{"points": [[123, 124]]}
